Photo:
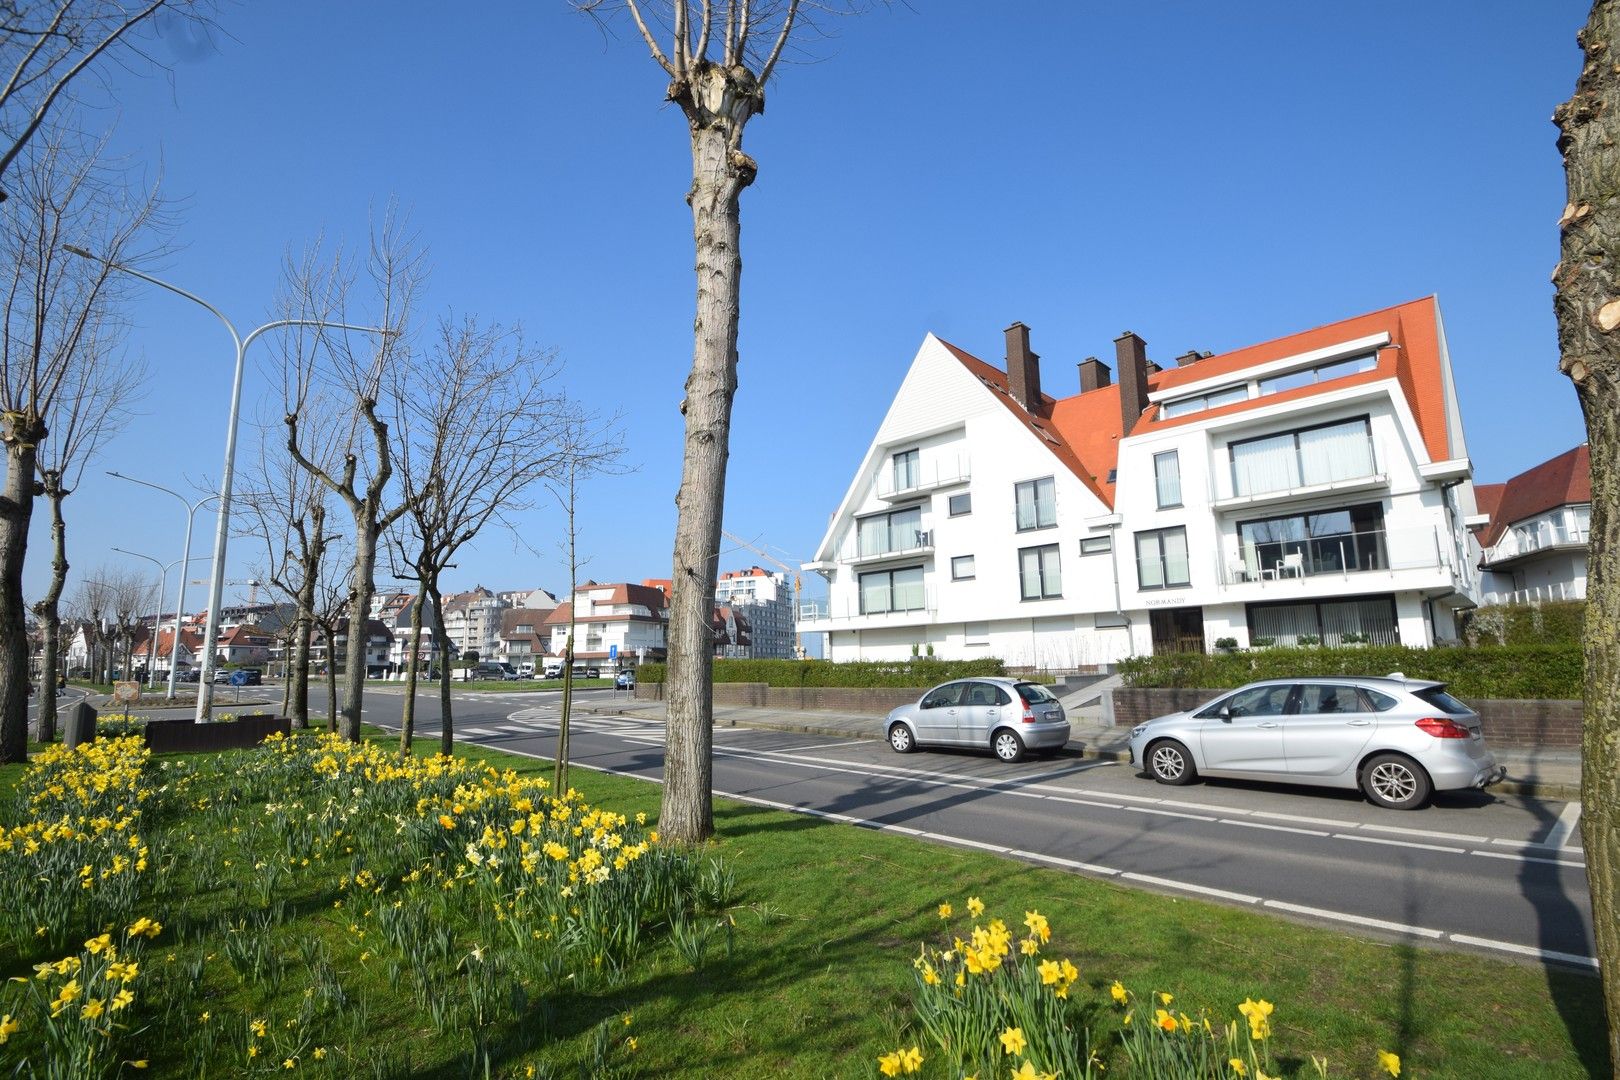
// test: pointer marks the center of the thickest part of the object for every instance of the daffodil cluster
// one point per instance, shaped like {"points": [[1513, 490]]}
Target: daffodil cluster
{"points": [[992, 1001]]}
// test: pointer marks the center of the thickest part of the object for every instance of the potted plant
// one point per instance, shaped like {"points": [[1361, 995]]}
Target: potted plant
{"points": [[1262, 642], [1226, 644], [1353, 638], [1309, 639]]}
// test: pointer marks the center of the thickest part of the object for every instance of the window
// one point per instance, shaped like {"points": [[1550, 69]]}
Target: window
{"points": [[976, 633], [905, 466], [1161, 558], [1039, 577], [899, 530], [1370, 618], [961, 504], [1315, 455], [1109, 620], [1036, 502], [1336, 369], [892, 590], [1096, 545], [1212, 400], [1326, 542], [523, 628], [962, 568], [942, 697], [1167, 477]]}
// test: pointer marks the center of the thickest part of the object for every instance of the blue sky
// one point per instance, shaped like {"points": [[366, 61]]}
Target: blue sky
{"points": [[1208, 178]]}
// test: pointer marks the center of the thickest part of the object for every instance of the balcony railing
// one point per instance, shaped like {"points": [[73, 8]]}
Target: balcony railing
{"points": [[1336, 555], [1524, 540], [886, 543], [918, 603], [931, 472], [1561, 590]]}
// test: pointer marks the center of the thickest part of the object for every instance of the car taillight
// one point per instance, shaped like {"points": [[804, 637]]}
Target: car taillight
{"points": [[1444, 729], [1029, 714]]}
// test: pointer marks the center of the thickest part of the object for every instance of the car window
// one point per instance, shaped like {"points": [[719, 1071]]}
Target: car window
{"points": [[1034, 693], [1380, 702], [1002, 697], [1437, 696], [941, 696], [1260, 700], [1317, 698], [980, 694]]}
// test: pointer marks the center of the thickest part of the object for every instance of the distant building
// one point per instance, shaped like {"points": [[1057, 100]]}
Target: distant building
{"points": [[472, 620], [615, 626], [393, 610], [765, 601], [1533, 531]]}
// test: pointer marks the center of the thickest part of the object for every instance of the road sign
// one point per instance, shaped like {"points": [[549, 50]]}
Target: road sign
{"points": [[126, 693], [613, 652]]}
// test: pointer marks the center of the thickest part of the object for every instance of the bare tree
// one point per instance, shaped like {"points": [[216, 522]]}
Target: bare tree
{"points": [[91, 604], [1587, 304], [362, 478], [131, 593], [589, 447], [45, 47], [55, 321], [718, 58], [469, 447]]}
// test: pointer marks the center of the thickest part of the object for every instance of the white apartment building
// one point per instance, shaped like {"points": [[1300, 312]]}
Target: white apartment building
{"points": [[1535, 531], [615, 626], [1314, 487], [765, 601], [472, 621]]}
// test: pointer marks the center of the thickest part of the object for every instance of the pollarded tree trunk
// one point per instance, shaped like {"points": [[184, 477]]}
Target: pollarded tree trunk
{"points": [[49, 609], [354, 680], [1588, 309], [441, 640], [23, 434], [298, 678], [718, 102]]}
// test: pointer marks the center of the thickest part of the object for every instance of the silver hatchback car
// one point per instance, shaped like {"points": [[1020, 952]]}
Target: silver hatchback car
{"points": [[1397, 739], [1009, 716]]}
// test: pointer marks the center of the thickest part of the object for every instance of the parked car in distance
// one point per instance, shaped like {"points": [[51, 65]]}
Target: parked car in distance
{"points": [[1396, 739], [525, 670], [189, 675], [221, 676], [554, 669], [582, 671], [246, 677], [487, 670], [1010, 716], [508, 672], [625, 680]]}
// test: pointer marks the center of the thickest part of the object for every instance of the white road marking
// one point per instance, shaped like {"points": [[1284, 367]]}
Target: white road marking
{"points": [[1182, 886], [1564, 827], [1518, 857], [1355, 920], [1526, 950], [1399, 843]]}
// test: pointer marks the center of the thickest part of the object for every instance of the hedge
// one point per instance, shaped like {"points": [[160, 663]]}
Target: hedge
{"points": [[1500, 671], [790, 673], [1551, 622]]}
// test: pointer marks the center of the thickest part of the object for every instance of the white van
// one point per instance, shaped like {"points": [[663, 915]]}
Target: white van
{"points": [[554, 669]]}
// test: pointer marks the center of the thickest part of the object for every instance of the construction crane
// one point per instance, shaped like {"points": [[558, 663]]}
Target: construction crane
{"points": [[794, 574]]}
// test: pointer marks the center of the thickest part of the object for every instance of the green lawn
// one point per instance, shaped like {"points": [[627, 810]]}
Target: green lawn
{"points": [[803, 969]]}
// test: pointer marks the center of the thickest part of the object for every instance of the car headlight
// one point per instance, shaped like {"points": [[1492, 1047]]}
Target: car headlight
{"points": [[1138, 730]]}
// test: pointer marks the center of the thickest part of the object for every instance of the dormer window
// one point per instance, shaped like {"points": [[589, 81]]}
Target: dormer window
{"points": [[1200, 402], [1337, 369]]}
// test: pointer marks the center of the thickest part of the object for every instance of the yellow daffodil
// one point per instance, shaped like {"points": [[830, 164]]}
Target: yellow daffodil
{"points": [[945, 911], [8, 1028], [911, 1060], [889, 1064], [1164, 1020], [1050, 972], [1012, 1041], [975, 906], [1119, 992], [1390, 1063], [259, 1027], [1037, 926], [1237, 1066], [1165, 999]]}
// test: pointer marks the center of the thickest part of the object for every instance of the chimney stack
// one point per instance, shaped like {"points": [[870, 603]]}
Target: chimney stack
{"points": [[1130, 354], [1191, 356], [1094, 374], [1023, 368]]}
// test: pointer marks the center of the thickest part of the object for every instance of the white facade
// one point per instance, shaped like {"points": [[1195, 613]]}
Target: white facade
{"points": [[615, 626], [978, 527]]}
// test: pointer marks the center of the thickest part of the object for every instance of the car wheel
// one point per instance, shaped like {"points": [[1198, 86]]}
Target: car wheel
{"points": [[1007, 745], [900, 739], [1169, 763], [1395, 782]]}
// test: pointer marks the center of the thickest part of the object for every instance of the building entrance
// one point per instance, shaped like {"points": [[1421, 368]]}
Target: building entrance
{"points": [[1178, 630]]}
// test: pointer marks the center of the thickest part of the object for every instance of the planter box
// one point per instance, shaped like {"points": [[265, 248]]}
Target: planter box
{"points": [[186, 736]]}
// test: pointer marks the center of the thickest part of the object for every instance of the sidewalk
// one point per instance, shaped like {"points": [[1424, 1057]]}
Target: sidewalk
{"points": [[1544, 774]]}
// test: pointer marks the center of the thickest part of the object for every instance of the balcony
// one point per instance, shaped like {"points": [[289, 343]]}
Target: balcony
{"points": [[1523, 541], [1338, 556], [895, 542], [914, 604], [1338, 460], [896, 481], [1558, 590]]}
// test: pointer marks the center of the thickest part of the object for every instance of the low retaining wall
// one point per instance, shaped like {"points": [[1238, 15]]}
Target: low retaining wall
{"points": [[866, 700], [1526, 724], [178, 736]]}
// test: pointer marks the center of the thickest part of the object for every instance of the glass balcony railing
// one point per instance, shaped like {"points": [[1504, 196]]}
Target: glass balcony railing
{"points": [[1338, 554], [1527, 539], [924, 475]]}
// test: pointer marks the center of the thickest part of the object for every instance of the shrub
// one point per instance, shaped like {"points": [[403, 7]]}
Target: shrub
{"points": [[1226, 643], [1552, 622], [1525, 671], [793, 673]]}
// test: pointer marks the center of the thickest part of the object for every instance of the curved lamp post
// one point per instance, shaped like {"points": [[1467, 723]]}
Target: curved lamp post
{"points": [[163, 579], [185, 556], [205, 684]]}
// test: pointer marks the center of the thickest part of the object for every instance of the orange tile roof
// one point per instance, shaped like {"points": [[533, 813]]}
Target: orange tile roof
{"points": [[1083, 431]]}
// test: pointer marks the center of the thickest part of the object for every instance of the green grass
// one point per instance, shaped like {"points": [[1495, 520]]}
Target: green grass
{"points": [[827, 919]]}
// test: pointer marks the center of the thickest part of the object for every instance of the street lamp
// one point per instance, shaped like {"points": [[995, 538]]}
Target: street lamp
{"points": [[163, 579], [205, 684], [185, 555]]}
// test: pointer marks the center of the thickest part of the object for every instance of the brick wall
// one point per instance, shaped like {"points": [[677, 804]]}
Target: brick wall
{"points": [[1528, 724], [863, 700]]}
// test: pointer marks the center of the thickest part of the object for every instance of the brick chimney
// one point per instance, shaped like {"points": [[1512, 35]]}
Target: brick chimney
{"points": [[1023, 368], [1094, 374], [1130, 354], [1191, 356]]}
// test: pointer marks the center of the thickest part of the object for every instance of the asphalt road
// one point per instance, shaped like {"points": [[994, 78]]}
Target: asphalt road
{"points": [[1505, 875]]}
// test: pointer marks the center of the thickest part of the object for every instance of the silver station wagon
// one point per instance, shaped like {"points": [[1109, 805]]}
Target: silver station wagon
{"points": [[1397, 739], [1007, 715]]}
